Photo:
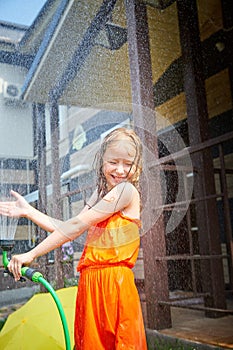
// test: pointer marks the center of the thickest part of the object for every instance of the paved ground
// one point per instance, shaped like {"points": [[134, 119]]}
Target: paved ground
{"points": [[192, 325], [11, 300], [187, 324], [15, 296]]}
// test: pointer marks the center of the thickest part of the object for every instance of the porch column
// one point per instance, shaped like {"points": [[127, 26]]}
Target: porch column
{"points": [[56, 185], [204, 185], [39, 114], [153, 241], [227, 14]]}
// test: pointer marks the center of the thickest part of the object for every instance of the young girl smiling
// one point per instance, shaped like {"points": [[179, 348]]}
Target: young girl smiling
{"points": [[108, 312]]}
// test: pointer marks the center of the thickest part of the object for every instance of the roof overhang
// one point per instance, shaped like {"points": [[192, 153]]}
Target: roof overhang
{"points": [[80, 63], [72, 37]]}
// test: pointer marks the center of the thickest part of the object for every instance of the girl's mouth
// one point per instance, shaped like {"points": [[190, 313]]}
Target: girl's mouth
{"points": [[118, 178]]}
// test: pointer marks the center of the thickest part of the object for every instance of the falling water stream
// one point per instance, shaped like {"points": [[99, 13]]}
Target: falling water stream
{"points": [[8, 225]]}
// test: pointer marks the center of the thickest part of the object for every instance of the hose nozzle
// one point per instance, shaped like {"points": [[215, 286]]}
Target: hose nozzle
{"points": [[31, 274]]}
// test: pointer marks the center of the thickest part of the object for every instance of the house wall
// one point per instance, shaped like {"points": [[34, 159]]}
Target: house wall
{"points": [[16, 131]]}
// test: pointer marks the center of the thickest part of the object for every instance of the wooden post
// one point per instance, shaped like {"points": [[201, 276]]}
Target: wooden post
{"points": [[197, 112], [153, 241], [227, 14], [56, 185], [39, 112]]}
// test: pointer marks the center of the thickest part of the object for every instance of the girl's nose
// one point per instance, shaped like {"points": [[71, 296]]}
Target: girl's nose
{"points": [[120, 169]]}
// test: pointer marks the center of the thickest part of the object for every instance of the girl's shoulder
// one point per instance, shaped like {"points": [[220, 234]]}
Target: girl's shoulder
{"points": [[128, 196], [126, 188]]}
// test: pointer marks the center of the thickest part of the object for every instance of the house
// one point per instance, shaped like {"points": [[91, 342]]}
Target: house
{"points": [[164, 67]]}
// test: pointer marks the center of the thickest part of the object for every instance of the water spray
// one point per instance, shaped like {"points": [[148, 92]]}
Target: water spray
{"points": [[7, 242]]}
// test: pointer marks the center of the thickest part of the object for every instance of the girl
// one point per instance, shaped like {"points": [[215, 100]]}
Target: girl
{"points": [[108, 312]]}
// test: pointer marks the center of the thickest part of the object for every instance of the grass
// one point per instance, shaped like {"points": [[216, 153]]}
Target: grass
{"points": [[2, 321]]}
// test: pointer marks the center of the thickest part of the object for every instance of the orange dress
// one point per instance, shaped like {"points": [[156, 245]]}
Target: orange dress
{"points": [[108, 309]]}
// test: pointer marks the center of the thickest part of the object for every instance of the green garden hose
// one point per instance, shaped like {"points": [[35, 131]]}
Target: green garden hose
{"points": [[37, 277]]}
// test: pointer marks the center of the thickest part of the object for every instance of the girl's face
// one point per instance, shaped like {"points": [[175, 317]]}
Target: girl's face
{"points": [[118, 162]]}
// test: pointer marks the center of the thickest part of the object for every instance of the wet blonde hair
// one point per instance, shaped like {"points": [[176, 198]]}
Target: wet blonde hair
{"points": [[118, 135]]}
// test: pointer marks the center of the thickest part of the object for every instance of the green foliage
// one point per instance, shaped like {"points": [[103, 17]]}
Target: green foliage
{"points": [[2, 321], [70, 282]]}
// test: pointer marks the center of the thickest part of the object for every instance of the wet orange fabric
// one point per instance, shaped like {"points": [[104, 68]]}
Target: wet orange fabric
{"points": [[108, 309]]}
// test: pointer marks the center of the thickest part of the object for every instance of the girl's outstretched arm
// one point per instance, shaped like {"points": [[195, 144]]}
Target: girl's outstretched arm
{"points": [[21, 208], [119, 198]]}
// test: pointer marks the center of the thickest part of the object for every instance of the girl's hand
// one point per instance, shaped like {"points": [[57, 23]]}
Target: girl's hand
{"points": [[17, 262], [18, 208]]}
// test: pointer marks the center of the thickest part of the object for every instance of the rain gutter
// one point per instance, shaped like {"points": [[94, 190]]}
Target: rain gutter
{"points": [[16, 59], [47, 41], [35, 23]]}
